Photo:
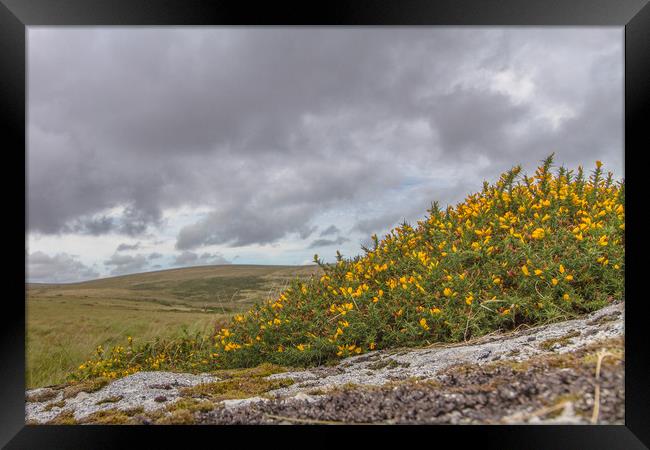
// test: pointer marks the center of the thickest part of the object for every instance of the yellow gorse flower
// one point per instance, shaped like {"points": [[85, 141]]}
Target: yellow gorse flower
{"points": [[538, 233]]}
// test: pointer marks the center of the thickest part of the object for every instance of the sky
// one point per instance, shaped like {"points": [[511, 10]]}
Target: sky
{"points": [[153, 148]]}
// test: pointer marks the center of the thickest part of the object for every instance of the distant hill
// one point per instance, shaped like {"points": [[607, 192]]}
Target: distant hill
{"points": [[223, 284]]}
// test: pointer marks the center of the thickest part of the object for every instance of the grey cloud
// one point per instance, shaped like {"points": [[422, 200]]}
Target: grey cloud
{"points": [[124, 264], [377, 224], [188, 258], [305, 231], [126, 247], [60, 268], [271, 127], [240, 226], [93, 225], [325, 242], [155, 255], [332, 229]]}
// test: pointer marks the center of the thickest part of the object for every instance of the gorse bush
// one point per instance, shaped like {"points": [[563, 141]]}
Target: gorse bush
{"points": [[189, 353], [524, 250]]}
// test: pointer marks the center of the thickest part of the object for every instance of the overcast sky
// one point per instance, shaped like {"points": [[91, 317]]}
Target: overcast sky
{"points": [[151, 148]]}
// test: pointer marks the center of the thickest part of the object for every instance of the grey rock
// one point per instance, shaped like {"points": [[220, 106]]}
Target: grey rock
{"points": [[134, 390]]}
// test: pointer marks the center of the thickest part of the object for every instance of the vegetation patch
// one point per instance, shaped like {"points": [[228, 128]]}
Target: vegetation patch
{"points": [[235, 388], [112, 416], [91, 385], [111, 399], [604, 319], [177, 417], [563, 341], [263, 370], [41, 396], [65, 417], [50, 406]]}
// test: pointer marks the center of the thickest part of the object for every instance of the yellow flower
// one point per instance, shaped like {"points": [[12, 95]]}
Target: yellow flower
{"points": [[447, 292], [599, 164], [300, 347], [469, 299], [372, 346], [423, 323], [538, 272], [554, 281], [565, 297], [538, 233], [524, 269], [496, 280], [569, 277], [561, 268]]}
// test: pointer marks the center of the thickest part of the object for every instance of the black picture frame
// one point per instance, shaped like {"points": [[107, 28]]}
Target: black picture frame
{"points": [[634, 15]]}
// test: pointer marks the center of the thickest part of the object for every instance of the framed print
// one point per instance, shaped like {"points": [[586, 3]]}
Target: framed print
{"points": [[340, 217]]}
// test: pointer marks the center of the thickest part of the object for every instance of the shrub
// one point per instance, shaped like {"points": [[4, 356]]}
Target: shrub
{"points": [[524, 250]]}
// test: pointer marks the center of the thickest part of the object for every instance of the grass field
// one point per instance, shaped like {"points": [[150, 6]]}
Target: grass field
{"points": [[66, 322]]}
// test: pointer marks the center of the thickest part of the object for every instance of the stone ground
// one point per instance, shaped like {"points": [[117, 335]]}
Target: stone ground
{"points": [[545, 374]]}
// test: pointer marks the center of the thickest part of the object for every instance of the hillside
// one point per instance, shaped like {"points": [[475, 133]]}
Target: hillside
{"points": [[225, 285], [67, 322], [526, 250]]}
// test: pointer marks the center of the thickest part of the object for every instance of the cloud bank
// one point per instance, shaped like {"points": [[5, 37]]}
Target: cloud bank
{"points": [[262, 132]]}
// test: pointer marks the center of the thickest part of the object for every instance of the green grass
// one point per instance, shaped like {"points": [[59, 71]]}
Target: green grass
{"points": [[66, 323]]}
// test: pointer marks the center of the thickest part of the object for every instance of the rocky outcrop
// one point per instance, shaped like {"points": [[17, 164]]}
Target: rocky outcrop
{"points": [[567, 372]]}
